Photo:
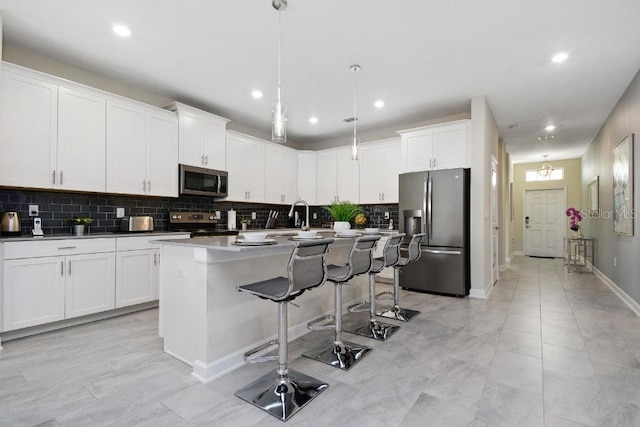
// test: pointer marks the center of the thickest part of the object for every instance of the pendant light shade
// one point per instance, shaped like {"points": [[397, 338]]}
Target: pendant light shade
{"points": [[546, 168], [355, 141], [279, 111]]}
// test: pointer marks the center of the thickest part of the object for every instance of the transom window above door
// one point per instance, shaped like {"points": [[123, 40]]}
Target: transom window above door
{"points": [[556, 174]]}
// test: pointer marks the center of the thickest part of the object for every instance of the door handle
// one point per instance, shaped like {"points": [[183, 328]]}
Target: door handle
{"points": [[438, 251]]}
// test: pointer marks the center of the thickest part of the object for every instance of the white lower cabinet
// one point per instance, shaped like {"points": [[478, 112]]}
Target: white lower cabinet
{"points": [[89, 284], [136, 276]]}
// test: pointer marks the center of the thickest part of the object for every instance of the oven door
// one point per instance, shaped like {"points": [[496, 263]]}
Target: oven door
{"points": [[202, 181]]}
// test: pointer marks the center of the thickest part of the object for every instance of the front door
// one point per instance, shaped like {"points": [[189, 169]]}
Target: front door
{"points": [[494, 221], [544, 222]]}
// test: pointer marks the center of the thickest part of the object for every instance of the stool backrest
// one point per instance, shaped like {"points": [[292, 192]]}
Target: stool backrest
{"points": [[392, 251], [307, 268], [381, 246], [414, 246], [361, 255]]}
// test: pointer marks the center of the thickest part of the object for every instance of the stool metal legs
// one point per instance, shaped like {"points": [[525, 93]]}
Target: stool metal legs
{"points": [[396, 312], [282, 392], [372, 328], [341, 354]]}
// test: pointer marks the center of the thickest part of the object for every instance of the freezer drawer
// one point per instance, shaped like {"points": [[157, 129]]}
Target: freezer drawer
{"points": [[440, 270]]}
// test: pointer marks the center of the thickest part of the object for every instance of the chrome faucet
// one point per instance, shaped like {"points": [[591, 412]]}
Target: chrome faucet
{"points": [[301, 202]]}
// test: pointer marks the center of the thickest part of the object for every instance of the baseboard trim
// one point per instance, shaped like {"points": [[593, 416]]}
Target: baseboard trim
{"points": [[631, 303], [517, 253], [481, 293]]}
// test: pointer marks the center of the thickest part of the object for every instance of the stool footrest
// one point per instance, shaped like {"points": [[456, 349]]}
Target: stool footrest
{"points": [[318, 325], [386, 295], [251, 356], [359, 307]]}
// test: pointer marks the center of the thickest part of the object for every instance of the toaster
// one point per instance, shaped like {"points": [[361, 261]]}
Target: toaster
{"points": [[136, 223]]}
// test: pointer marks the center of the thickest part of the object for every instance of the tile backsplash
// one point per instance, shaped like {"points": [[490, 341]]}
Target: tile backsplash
{"points": [[55, 207]]}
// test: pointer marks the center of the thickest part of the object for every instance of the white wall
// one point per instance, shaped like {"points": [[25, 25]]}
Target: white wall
{"points": [[484, 144]]}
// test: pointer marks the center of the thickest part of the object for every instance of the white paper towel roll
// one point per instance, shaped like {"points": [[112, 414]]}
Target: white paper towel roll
{"points": [[231, 220]]}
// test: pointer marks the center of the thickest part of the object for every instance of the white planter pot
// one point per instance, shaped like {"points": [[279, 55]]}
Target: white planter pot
{"points": [[339, 226]]}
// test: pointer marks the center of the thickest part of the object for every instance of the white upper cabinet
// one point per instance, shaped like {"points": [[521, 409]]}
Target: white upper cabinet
{"points": [[442, 146], [327, 177], [28, 131], [281, 174], [379, 168], [142, 150], [246, 167], [348, 177], [81, 141], [307, 176], [202, 137]]}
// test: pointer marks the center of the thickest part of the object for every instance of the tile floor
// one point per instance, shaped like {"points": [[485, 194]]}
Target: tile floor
{"points": [[546, 349]]}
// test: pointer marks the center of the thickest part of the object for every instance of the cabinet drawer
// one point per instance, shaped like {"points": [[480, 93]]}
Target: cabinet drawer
{"points": [[132, 243], [40, 248]]}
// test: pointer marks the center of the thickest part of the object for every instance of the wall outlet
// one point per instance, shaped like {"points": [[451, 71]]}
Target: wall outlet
{"points": [[253, 215], [386, 215], [119, 212], [315, 215], [34, 210], [615, 261]]}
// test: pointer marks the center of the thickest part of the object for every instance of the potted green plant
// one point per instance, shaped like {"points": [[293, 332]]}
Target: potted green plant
{"points": [[342, 212], [79, 223]]}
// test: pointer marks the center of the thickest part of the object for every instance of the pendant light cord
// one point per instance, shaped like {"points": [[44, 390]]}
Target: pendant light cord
{"points": [[279, 50], [355, 103]]}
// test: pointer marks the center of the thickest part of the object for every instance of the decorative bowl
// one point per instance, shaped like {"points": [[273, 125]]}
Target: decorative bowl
{"points": [[307, 234], [254, 237]]}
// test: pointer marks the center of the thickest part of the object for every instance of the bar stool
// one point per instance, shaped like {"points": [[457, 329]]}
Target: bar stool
{"points": [[395, 311], [373, 328], [344, 354], [283, 392]]}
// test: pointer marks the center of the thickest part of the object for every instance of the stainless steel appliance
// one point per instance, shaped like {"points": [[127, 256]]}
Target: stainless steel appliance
{"points": [[136, 223], [437, 203], [199, 224], [203, 182], [10, 225]]}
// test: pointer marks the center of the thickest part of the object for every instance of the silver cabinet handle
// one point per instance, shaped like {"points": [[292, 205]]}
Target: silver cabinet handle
{"points": [[61, 178], [158, 259], [202, 159], [69, 268], [61, 268], [149, 185], [54, 176], [144, 185], [65, 247], [383, 197], [206, 159]]}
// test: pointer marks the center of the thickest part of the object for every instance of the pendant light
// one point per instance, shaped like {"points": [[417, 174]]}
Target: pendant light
{"points": [[279, 111], [546, 168], [354, 142]]}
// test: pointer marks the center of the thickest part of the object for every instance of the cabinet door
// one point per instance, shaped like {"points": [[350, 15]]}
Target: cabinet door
{"points": [[81, 141], [348, 177], [162, 154], [214, 146], [28, 132], [450, 147], [236, 167], [417, 151], [254, 171], [327, 177], [371, 175], [126, 148], [191, 136], [90, 284], [33, 292], [136, 277], [391, 164], [289, 171], [307, 177], [273, 166]]}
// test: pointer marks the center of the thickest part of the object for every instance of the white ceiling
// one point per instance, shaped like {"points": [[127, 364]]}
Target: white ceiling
{"points": [[425, 58]]}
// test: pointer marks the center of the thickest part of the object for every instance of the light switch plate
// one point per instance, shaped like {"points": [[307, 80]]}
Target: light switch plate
{"points": [[34, 210], [315, 215], [253, 215], [119, 212], [386, 215]]}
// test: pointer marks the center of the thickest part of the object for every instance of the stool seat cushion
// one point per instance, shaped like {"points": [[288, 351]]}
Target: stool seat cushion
{"points": [[403, 261], [273, 289], [337, 273]]}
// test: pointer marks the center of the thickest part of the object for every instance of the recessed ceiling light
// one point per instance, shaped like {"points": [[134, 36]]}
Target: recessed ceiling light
{"points": [[121, 30], [313, 120], [549, 128], [256, 94], [379, 103], [560, 57]]}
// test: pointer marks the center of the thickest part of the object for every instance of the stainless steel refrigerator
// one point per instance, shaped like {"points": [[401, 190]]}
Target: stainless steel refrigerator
{"points": [[437, 203]]}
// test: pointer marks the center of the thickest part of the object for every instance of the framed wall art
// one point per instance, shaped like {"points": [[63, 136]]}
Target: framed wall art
{"points": [[623, 186]]}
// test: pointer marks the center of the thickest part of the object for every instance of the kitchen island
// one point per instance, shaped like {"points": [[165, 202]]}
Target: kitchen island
{"points": [[208, 324]]}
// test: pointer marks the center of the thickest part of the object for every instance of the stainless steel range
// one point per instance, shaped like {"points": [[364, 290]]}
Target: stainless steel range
{"points": [[199, 224]]}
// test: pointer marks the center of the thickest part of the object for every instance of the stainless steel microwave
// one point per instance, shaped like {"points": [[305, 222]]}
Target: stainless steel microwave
{"points": [[203, 182]]}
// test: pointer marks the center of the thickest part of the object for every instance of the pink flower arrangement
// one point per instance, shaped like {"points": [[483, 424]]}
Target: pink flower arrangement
{"points": [[574, 218]]}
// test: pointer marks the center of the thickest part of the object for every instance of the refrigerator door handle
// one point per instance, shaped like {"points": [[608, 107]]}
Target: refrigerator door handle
{"points": [[429, 229], [438, 251]]}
